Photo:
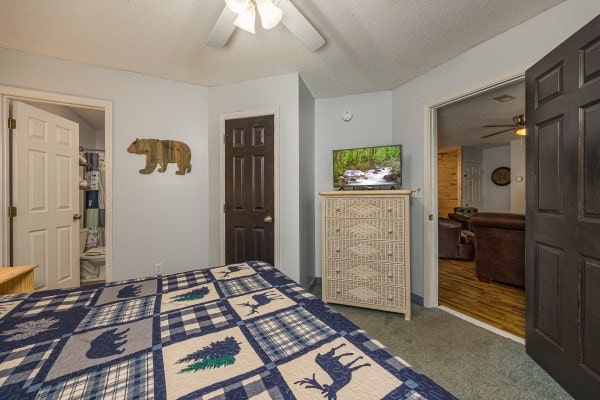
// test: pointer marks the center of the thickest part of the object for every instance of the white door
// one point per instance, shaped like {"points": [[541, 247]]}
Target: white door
{"points": [[45, 192], [473, 185]]}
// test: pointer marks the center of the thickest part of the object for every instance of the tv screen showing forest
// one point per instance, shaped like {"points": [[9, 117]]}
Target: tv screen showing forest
{"points": [[368, 166]]}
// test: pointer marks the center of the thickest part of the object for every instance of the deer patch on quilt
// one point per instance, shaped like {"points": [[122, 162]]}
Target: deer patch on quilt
{"points": [[203, 361], [87, 349], [128, 291], [260, 303], [337, 369], [232, 271], [188, 297]]}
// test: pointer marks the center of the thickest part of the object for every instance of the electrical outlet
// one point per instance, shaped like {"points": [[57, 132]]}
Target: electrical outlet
{"points": [[158, 268]]}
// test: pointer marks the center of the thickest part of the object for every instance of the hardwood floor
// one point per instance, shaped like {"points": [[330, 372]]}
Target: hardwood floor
{"points": [[499, 305]]}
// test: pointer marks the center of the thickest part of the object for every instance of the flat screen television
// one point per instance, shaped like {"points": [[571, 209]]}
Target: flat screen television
{"points": [[368, 166]]}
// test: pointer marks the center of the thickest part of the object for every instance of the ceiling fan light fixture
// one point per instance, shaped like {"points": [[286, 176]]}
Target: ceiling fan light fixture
{"points": [[270, 14], [521, 132], [245, 19], [237, 6]]}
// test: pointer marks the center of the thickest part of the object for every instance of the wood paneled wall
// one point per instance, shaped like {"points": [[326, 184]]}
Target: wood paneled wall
{"points": [[449, 179]]}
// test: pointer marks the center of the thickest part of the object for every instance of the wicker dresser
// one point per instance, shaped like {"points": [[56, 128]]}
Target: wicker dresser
{"points": [[366, 249]]}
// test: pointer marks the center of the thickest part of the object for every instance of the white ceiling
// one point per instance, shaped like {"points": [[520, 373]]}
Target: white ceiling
{"points": [[371, 45], [462, 123]]}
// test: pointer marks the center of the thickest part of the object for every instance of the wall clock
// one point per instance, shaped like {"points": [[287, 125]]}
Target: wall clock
{"points": [[501, 176]]}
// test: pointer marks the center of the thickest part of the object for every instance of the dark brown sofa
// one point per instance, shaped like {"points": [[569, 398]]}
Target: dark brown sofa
{"points": [[450, 242], [463, 215], [500, 247]]}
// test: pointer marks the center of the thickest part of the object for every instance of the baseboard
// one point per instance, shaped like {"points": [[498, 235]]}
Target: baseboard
{"points": [[416, 299], [315, 281]]}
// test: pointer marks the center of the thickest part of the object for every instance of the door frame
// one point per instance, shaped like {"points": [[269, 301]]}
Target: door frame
{"points": [[276, 214], [430, 196], [8, 93]]}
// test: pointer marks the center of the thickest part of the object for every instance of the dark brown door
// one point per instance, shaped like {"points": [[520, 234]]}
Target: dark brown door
{"points": [[249, 204], [563, 212]]}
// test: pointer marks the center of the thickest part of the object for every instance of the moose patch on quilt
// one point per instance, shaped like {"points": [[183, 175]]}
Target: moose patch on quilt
{"points": [[337, 370]]}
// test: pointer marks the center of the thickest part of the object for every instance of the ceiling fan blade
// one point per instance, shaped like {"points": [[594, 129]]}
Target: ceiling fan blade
{"points": [[223, 29], [300, 26], [498, 126], [496, 133]]}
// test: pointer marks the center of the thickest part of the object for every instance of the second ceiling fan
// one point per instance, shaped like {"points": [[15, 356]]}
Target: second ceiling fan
{"points": [[518, 127]]}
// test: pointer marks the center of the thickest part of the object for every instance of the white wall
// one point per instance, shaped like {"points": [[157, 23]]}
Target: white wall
{"points": [[282, 93], [371, 125], [472, 154], [501, 57], [495, 198], [307, 185], [156, 217], [517, 173], [99, 143]]}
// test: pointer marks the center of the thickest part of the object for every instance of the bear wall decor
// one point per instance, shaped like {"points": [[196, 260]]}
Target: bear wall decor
{"points": [[163, 152]]}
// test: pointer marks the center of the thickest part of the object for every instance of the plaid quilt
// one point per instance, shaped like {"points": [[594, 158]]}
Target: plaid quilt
{"points": [[241, 331]]}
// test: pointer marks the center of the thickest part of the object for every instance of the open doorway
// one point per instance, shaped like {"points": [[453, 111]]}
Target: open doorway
{"points": [[481, 206], [57, 179]]}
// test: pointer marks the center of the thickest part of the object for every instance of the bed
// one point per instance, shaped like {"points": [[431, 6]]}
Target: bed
{"points": [[241, 331]]}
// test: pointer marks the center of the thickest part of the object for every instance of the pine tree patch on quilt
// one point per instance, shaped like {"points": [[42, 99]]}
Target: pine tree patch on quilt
{"points": [[240, 331]]}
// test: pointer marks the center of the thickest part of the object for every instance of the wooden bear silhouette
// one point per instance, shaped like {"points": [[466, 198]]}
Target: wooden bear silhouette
{"points": [[163, 152]]}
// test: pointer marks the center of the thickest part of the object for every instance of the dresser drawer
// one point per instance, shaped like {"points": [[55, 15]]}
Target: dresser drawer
{"points": [[365, 207], [371, 250], [374, 229], [385, 273], [365, 295]]}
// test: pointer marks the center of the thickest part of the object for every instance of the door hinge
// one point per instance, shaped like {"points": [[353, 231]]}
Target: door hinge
{"points": [[224, 207], [12, 123], [225, 138], [12, 212]]}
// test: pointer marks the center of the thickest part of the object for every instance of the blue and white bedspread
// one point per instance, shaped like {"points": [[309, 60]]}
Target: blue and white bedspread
{"points": [[242, 331]]}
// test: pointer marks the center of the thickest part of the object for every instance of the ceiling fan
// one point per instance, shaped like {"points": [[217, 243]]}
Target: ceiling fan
{"points": [[518, 127], [242, 13]]}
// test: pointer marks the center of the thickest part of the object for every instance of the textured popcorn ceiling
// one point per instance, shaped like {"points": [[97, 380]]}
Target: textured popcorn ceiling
{"points": [[371, 45]]}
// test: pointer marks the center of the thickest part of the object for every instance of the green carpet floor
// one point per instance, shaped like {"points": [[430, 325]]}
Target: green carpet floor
{"points": [[469, 361]]}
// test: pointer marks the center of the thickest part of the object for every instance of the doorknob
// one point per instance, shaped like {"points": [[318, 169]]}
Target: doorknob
{"points": [[268, 219], [76, 216]]}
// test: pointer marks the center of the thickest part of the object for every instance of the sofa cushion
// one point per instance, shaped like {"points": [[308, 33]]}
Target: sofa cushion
{"points": [[499, 220]]}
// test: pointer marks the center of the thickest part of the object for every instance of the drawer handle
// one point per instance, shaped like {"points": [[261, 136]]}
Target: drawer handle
{"points": [[390, 297], [390, 231], [337, 250], [390, 253], [389, 209], [337, 270], [390, 275], [337, 229], [337, 209], [337, 290]]}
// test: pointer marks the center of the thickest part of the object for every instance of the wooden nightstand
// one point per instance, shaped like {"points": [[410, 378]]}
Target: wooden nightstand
{"points": [[16, 279]]}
